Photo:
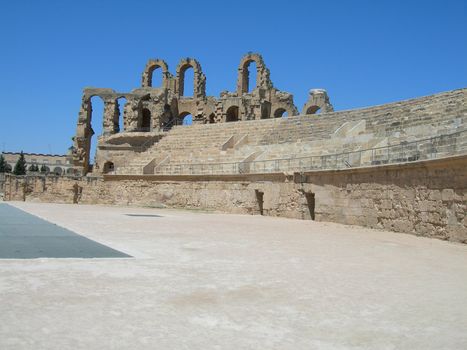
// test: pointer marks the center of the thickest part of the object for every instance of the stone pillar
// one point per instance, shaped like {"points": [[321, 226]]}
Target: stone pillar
{"points": [[111, 116], [82, 138], [132, 114]]}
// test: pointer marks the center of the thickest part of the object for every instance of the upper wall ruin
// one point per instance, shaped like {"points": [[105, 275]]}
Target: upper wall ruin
{"points": [[157, 108]]}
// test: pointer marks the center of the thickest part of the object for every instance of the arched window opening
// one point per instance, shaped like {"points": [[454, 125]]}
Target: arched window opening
{"points": [[97, 119], [212, 118], [70, 171], [8, 168], [146, 120], [44, 169], [108, 167], [185, 118], [187, 77], [232, 114], [58, 170], [313, 110], [155, 77], [280, 113], [251, 71], [121, 113]]}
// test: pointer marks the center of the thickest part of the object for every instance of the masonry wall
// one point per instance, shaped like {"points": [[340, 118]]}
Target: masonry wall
{"points": [[426, 198]]}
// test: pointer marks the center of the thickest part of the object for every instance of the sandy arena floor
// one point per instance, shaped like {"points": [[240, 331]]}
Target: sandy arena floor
{"points": [[213, 281]]}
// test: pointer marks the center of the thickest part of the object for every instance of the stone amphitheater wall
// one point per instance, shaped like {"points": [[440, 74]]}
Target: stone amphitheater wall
{"points": [[427, 198], [392, 123]]}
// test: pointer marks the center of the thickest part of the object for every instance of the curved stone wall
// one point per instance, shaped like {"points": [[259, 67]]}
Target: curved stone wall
{"points": [[427, 198]]}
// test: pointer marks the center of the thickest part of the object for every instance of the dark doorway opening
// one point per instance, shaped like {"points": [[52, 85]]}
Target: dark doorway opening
{"points": [[310, 200], [146, 120], [232, 114], [260, 200], [108, 167], [212, 118]]}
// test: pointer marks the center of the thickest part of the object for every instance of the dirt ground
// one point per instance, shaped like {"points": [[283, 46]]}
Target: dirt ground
{"points": [[218, 281]]}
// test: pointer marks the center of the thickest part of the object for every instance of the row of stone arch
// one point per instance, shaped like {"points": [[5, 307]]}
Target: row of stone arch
{"points": [[199, 85], [233, 114], [176, 84], [56, 170]]}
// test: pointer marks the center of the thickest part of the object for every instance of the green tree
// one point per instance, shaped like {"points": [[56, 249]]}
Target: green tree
{"points": [[43, 169], [33, 167], [20, 166], [2, 164]]}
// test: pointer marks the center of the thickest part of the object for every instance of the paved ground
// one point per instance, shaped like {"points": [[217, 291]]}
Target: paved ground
{"points": [[25, 236], [212, 281]]}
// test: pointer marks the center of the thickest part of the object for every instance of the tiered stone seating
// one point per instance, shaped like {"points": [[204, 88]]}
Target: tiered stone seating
{"points": [[308, 136]]}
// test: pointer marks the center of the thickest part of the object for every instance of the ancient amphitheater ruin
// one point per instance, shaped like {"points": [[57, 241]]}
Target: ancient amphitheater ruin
{"points": [[399, 166]]}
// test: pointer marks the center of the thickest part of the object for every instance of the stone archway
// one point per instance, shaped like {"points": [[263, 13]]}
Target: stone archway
{"points": [[232, 114], [262, 73], [185, 118], [199, 83], [280, 113], [151, 66], [318, 101], [312, 109]]}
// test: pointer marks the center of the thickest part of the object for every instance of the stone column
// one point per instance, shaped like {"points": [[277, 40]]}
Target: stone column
{"points": [[132, 114], [82, 138], [111, 115]]}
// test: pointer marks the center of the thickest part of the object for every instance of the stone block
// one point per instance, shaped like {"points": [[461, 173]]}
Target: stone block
{"points": [[386, 204], [457, 233], [435, 195], [447, 194], [403, 225]]}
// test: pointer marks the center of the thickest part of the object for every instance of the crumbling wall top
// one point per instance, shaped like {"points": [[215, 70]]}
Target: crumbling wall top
{"points": [[318, 100]]}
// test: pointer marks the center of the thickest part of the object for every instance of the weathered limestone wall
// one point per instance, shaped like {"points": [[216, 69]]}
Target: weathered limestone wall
{"points": [[2, 182], [425, 198]]}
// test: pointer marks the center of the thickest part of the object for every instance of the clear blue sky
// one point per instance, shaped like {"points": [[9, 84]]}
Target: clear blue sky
{"points": [[363, 52]]}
